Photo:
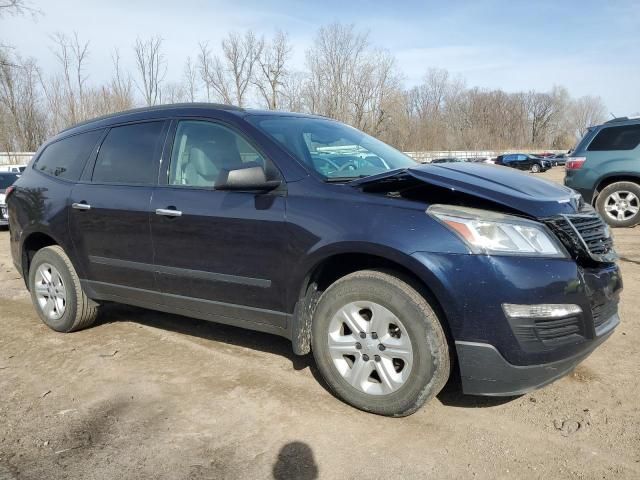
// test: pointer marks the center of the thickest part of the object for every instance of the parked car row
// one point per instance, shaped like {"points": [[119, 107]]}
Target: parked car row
{"points": [[524, 161], [521, 161]]}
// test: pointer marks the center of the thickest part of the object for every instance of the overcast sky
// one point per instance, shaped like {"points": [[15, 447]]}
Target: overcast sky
{"points": [[591, 47]]}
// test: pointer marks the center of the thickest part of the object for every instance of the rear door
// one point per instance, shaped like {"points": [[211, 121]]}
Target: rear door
{"points": [[219, 252], [109, 218]]}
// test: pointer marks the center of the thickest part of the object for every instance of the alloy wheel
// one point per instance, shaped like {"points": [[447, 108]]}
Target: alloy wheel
{"points": [[621, 205], [370, 347], [50, 291]]}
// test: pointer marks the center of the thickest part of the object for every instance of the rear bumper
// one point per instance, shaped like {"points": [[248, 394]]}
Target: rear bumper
{"points": [[485, 372]]}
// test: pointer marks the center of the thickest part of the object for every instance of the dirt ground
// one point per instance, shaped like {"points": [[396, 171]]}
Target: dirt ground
{"points": [[149, 395]]}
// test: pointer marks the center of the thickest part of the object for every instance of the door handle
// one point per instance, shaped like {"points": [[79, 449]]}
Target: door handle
{"points": [[168, 212], [81, 206]]}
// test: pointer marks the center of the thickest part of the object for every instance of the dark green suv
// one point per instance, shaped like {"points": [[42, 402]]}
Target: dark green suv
{"points": [[605, 169]]}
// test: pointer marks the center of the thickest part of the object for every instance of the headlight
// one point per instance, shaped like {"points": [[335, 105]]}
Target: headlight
{"points": [[488, 232]]}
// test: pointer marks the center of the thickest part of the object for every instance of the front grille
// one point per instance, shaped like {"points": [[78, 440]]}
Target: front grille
{"points": [[586, 236]]}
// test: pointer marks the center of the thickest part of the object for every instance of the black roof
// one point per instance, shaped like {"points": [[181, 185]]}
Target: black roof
{"points": [[176, 108], [157, 108]]}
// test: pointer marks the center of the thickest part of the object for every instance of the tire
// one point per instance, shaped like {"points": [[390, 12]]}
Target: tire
{"points": [[617, 197], [56, 292], [535, 168], [388, 299]]}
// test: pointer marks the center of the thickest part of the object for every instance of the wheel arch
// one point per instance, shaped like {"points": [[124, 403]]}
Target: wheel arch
{"points": [[604, 182], [328, 268], [32, 242]]}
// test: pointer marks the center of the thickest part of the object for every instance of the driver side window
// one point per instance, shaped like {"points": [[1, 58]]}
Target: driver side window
{"points": [[201, 150]]}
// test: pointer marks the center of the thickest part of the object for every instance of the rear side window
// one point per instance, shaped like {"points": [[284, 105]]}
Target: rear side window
{"points": [[616, 138], [129, 154], [66, 158]]}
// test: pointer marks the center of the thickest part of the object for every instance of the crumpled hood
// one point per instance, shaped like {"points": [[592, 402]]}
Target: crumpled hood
{"points": [[502, 185]]}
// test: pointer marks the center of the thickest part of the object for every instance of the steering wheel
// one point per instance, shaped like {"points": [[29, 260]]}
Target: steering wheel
{"points": [[332, 164], [350, 165]]}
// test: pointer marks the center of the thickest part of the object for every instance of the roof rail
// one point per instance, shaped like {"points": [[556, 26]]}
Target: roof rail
{"points": [[623, 119], [168, 106]]}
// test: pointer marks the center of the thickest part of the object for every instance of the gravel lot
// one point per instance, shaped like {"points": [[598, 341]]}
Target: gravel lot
{"points": [[150, 395]]}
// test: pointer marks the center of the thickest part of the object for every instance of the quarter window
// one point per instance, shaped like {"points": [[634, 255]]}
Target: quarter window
{"points": [[616, 138], [201, 150], [66, 158], [129, 154]]}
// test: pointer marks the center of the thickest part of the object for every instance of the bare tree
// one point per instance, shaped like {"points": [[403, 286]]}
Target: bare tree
{"points": [[230, 76], [152, 68], [348, 80], [174, 92], [17, 7], [205, 67], [121, 91], [294, 87], [587, 111], [272, 69], [20, 105], [72, 56], [191, 80]]}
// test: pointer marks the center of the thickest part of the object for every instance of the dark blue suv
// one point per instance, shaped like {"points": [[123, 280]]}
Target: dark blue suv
{"points": [[394, 274]]}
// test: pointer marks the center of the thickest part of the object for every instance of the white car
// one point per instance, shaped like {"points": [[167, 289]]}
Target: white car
{"points": [[12, 168], [6, 180]]}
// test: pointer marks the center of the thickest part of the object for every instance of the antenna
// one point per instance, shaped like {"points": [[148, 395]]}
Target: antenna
{"points": [[612, 115]]}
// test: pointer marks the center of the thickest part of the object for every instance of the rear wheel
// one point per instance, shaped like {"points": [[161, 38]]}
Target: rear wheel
{"points": [[56, 292], [379, 344], [619, 204]]}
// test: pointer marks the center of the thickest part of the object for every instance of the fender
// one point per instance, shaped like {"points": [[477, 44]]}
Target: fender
{"points": [[43, 228], [622, 174], [303, 295]]}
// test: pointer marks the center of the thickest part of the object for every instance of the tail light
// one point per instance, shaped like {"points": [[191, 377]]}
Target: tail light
{"points": [[8, 192], [575, 163]]}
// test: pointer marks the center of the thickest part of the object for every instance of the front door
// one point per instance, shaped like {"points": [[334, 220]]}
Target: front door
{"points": [[109, 218], [218, 252]]}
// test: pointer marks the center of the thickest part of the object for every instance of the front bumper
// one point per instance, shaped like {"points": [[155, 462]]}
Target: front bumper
{"points": [[502, 356], [484, 371]]}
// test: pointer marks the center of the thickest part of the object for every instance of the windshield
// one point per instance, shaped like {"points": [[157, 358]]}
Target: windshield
{"points": [[7, 180], [334, 150]]}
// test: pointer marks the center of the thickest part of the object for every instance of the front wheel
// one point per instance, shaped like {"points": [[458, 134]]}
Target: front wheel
{"points": [[619, 204], [378, 344], [535, 168]]}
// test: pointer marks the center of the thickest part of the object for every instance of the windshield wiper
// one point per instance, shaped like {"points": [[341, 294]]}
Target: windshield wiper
{"points": [[344, 179]]}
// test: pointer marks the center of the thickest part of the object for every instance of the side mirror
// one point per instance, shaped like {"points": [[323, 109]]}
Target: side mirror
{"points": [[246, 178]]}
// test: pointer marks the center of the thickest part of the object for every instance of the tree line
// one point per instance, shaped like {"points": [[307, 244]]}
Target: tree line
{"points": [[345, 77]]}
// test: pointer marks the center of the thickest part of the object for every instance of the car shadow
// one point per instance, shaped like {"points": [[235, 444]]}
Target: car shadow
{"points": [[217, 332], [451, 395]]}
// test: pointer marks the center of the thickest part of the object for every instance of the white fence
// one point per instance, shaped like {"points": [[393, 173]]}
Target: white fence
{"points": [[426, 157], [15, 158]]}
